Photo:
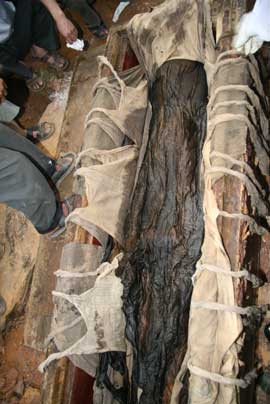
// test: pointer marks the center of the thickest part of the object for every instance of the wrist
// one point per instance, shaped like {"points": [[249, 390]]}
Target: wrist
{"points": [[57, 14]]}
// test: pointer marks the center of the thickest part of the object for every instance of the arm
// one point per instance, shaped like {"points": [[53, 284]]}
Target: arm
{"points": [[64, 25]]}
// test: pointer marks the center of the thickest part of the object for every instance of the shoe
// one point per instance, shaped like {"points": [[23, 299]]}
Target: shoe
{"points": [[100, 32], [68, 205], [66, 164], [42, 132]]}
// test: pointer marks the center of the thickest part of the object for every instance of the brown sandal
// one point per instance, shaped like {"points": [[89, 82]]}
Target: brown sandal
{"points": [[37, 83], [54, 59], [70, 203]]}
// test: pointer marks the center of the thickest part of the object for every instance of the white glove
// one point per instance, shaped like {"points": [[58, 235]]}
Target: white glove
{"points": [[253, 28]]}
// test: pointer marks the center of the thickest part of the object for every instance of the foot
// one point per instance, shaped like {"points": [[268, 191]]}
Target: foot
{"points": [[40, 132], [54, 59], [100, 32], [36, 84], [67, 205], [3, 306], [63, 167]]}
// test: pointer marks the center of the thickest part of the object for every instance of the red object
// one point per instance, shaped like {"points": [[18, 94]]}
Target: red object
{"points": [[130, 59], [82, 391]]}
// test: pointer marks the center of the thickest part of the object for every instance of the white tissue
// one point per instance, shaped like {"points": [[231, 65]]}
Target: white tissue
{"points": [[78, 45]]}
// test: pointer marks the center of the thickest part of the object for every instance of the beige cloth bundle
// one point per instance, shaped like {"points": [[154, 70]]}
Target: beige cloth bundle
{"points": [[235, 113]]}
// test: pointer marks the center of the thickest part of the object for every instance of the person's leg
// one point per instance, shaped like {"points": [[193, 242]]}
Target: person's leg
{"points": [[9, 139], [18, 45], [9, 64], [88, 13], [23, 187], [44, 31], [45, 38]]}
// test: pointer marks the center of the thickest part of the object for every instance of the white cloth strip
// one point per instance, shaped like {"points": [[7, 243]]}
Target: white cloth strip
{"points": [[240, 216], [240, 163], [241, 176], [231, 87], [104, 61], [220, 307], [66, 274], [250, 179], [234, 274], [217, 378], [229, 61], [231, 52]]}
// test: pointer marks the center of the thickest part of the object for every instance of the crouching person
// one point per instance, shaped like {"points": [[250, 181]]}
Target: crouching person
{"points": [[27, 181]]}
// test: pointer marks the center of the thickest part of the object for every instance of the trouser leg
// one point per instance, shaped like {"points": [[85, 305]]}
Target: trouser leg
{"points": [[33, 24], [9, 139], [86, 10], [23, 187], [44, 31]]}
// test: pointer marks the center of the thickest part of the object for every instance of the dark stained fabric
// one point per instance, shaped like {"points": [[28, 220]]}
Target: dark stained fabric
{"points": [[164, 231]]}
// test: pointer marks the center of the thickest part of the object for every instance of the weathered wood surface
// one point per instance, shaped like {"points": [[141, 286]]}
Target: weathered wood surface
{"points": [[164, 231]]}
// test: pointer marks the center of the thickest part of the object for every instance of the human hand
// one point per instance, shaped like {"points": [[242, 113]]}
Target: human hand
{"points": [[253, 28], [3, 91], [67, 29]]}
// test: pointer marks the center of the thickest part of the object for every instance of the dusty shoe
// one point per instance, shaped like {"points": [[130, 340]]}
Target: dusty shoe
{"points": [[40, 132], [68, 205], [3, 306], [64, 166]]}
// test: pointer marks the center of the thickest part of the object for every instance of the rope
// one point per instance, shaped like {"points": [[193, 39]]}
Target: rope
{"points": [[217, 378], [244, 311], [256, 282]]}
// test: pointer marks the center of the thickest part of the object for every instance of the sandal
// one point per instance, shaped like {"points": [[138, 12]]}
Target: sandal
{"points": [[68, 204], [101, 32], [43, 131], [37, 83], [54, 59], [66, 163]]}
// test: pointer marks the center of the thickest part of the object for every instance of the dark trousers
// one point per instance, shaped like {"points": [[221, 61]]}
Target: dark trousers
{"points": [[85, 9], [33, 25], [23, 182]]}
